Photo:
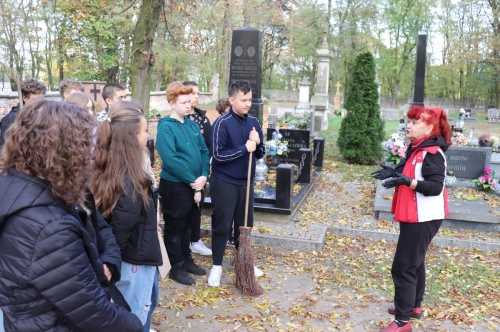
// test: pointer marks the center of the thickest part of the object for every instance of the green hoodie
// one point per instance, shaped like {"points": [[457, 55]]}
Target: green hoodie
{"points": [[182, 150]]}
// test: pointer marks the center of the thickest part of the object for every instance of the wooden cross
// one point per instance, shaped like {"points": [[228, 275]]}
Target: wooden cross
{"points": [[95, 91], [338, 85]]}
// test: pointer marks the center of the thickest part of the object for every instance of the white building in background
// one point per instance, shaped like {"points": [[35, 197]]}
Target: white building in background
{"points": [[5, 86]]}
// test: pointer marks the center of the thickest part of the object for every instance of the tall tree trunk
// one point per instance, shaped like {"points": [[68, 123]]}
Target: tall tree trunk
{"points": [[142, 54], [226, 48], [126, 59], [60, 59]]}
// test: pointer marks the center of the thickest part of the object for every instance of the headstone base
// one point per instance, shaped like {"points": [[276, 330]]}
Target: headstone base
{"points": [[320, 120]]}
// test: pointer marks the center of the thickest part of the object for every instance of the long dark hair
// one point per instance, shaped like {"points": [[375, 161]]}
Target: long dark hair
{"points": [[51, 140], [117, 153]]}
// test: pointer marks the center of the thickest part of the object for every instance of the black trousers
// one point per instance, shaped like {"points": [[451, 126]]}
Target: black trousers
{"points": [[408, 267], [179, 211], [228, 204], [196, 229]]}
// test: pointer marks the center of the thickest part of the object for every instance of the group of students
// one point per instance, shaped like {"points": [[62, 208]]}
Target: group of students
{"points": [[186, 142], [79, 245]]}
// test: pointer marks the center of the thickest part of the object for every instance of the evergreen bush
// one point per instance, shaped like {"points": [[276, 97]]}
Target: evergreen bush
{"points": [[362, 130]]}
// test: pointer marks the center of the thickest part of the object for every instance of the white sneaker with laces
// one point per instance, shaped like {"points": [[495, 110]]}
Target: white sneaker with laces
{"points": [[215, 275], [258, 272], [199, 248]]}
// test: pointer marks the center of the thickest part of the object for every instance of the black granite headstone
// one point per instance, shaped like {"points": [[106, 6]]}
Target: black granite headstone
{"points": [[284, 185], [304, 166], [418, 92], [319, 152], [246, 64], [296, 139], [468, 163]]}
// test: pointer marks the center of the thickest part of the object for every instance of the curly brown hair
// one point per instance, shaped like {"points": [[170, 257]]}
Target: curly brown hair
{"points": [[117, 152], [32, 87], [51, 140], [222, 104]]}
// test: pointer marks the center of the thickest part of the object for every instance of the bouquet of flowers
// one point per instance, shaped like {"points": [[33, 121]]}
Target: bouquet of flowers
{"points": [[486, 180], [276, 146], [397, 149], [461, 139]]}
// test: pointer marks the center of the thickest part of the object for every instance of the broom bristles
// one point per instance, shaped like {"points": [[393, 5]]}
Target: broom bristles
{"points": [[243, 265]]}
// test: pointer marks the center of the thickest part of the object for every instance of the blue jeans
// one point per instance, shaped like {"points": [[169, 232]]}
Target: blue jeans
{"points": [[139, 286], [154, 301], [1, 321]]}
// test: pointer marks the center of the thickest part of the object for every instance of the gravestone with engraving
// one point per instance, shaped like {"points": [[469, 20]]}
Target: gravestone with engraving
{"points": [[468, 163], [246, 64], [296, 139]]}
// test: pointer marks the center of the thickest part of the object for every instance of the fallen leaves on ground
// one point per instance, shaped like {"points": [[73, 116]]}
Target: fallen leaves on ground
{"points": [[346, 286]]}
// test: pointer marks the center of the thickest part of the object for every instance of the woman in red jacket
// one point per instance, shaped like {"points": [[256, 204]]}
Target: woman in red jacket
{"points": [[419, 204]]}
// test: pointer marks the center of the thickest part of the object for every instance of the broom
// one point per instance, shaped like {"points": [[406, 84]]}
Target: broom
{"points": [[244, 260]]}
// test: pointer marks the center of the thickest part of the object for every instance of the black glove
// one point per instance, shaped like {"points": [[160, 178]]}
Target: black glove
{"points": [[399, 179], [384, 173]]}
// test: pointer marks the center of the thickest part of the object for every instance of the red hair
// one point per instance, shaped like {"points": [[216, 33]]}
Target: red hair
{"points": [[177, 89], [433, 116]]}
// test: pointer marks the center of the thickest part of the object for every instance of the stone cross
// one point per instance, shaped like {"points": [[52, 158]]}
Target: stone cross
{"points": [[245, 41], [338, 85]]}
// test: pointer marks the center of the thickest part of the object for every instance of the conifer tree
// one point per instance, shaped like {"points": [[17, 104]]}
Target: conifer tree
{"points": [[362, 130]]}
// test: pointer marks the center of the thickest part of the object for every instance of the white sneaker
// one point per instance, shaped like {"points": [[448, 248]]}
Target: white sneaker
{"points": [[215, 275], [258, 272], [199, 248]]}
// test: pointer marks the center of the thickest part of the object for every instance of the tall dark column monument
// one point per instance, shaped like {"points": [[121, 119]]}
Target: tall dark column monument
{"points": [[418, 92], [246, 64]]}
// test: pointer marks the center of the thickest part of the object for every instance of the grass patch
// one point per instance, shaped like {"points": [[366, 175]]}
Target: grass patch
{"points": [[334, 159]]}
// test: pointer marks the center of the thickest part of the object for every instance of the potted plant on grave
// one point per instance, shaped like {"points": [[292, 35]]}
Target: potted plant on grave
{"points": [[276, 147], [485, 140], [154, 113], [486, 182]]}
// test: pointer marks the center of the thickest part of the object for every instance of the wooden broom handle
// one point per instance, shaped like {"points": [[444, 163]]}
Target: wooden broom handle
{"points": [[248, 187]]}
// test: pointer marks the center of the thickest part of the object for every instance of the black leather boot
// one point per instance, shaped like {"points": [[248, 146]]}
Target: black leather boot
{"points": [[191, 267], [179, 274]]}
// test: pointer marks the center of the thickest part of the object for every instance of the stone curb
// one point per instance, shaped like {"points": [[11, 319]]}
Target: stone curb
{"points": [[438, 240], [285, 242]]}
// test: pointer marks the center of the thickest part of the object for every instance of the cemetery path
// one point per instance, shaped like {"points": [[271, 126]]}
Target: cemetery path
{"points": [[344, 287]]}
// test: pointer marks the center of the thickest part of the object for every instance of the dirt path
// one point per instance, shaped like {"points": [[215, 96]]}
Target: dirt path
{"points": [[345, 287]]}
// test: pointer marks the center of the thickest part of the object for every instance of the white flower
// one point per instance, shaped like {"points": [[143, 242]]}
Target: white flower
{"points": [[280, 152], [280, 136], [395, 136], [400, 144]]}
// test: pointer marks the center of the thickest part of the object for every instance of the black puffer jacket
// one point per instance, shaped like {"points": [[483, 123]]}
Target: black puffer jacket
{"points": [[7, 122], [109, 252], [51, 276], [135, 228]]}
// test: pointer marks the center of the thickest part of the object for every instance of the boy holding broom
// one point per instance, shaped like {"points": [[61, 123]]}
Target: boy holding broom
{"points": [[235, 136]]}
